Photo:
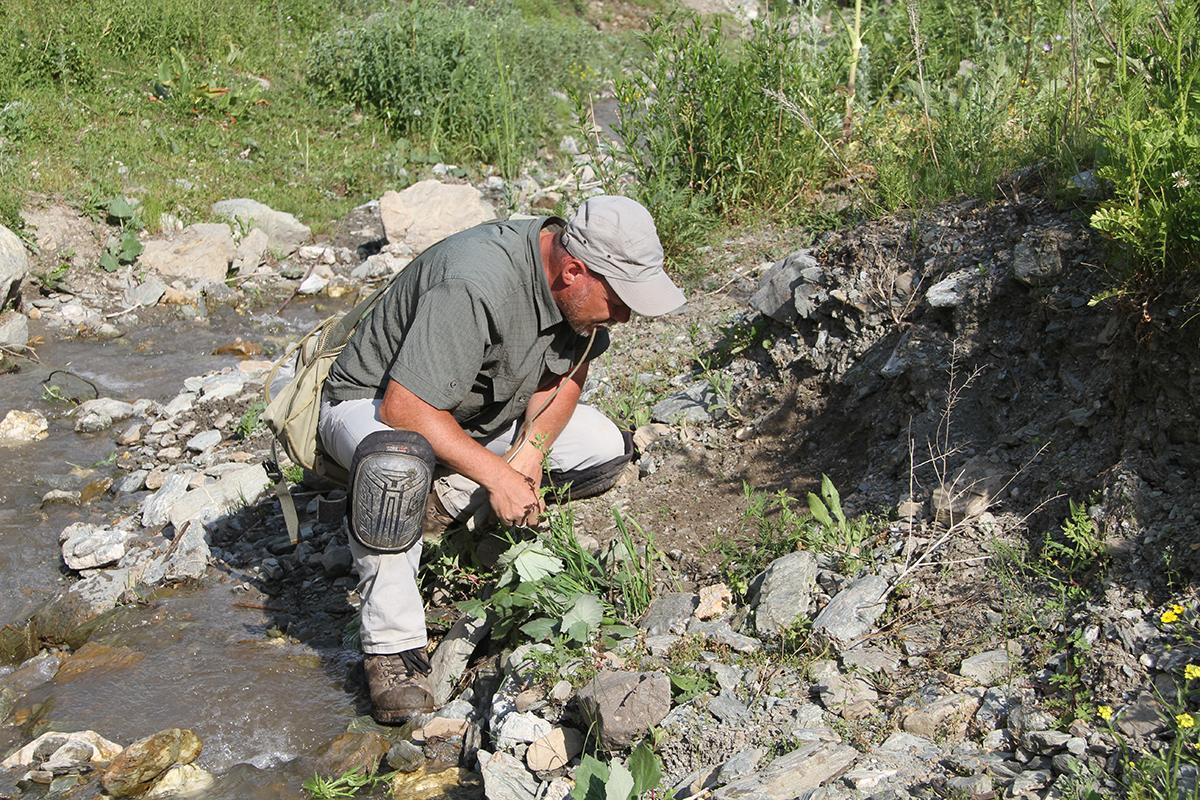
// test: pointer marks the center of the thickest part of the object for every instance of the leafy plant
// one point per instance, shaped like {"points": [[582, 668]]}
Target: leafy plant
{"points": [[346, 785], [251, 420], [597, 780], [124, 248]]}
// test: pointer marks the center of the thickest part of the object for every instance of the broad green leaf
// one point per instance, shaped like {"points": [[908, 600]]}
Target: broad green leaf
{"points": [[818, 510], [131, 248], [833, 500], [539, 629], [590, 778], [619, 785], [473, 607], [119, 208], [579, 632], [109, 262], [587, 611], [531, 560], [646, 768]]}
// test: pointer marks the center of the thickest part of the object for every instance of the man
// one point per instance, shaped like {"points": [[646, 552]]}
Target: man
{"points": [[464, 376]]}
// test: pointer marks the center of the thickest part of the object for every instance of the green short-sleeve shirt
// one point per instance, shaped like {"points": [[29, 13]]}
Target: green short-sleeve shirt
{"points": [[469, 326]]}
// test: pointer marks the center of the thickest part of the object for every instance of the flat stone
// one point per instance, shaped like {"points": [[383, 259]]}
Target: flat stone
{"points": [[870, 661], [1045, 742], [852, 612], [985, 669], [205, 440], [14, 264], [793, 774], [720, 632], [200, 252], [691, 406], [141, 764], [221, 386], [668, 614], [727, 708], [181, 780], [233, 491], [714, 600], [68, 617], [786, 593], [972, 786], [429, 211], [21, 427], [776, 290], [284, 232], [850, 697], [146, 293], [1030, 781], [505, 778], [96, 657], [521, 728], [623, 706], [1141, 718], [741, 764], [443, 728], [555, 750], [946, 717], [452, 656], [45, 746], [405, 756], [100, 414], [87, 546], [250, 252], [952, 290], [352, 751], [14, 329], [156, 509]]}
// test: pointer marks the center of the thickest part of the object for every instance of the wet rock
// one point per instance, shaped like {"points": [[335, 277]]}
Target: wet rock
{"points": [[205, 440], [141, 764], [131, 435], [622, 706], [156, 509], [186, 559], [316, 281], [852, 612], [14, 329], [284, 232], [505, 778], [429, 211], [1036, 259], [87, 546], [952, 290], [14, 264], [48, 744], [450, 660], [100, 414], [201, 252], [786, 593], [692, 405], [95, 657], [942, 718], [793, 774], [19, 427], [446, 784], [32, 673], [555, 750], [851, 697], [668, 614], [181, 780], [69, 617], [405, 756], [776, 290], [985, 668], [251, 251], [352, 751], [146, 293]]}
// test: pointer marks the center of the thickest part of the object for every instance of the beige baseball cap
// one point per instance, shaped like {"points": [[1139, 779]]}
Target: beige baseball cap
{"points": [[615, 237]]}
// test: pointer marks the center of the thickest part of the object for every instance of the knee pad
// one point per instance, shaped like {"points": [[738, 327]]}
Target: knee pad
{"points": [[390, 479], [592, 481]]}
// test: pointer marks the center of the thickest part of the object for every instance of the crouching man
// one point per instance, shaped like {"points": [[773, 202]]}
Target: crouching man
{"points": [[463, 376]]}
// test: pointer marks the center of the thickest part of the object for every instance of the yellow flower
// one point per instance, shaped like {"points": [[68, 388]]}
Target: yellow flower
{"points": [[1105, 713], [1185, 720], [1191, 672], [1169, 616]]}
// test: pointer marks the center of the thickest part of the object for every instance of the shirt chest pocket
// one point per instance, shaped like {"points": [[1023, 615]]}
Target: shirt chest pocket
{"points": [[513, 389]]}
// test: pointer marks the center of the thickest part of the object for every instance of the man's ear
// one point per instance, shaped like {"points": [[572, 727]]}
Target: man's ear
{"points": [[572, 271]]}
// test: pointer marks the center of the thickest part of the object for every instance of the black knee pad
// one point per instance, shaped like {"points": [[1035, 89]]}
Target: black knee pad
{"points": [[390, 479], [592, 481]]}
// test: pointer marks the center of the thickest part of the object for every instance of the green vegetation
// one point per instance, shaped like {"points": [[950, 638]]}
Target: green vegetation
{"points": [[640, 776], [251, 420], [346, 785]]}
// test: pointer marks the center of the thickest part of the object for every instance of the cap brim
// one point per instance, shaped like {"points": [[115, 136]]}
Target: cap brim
{"points": [[650, 298]]}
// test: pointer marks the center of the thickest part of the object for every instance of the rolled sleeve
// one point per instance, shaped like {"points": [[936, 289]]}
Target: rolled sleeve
{"points": [[444, 346]]}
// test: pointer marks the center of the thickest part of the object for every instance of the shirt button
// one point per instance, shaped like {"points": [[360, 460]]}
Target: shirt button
{"points": [[453, 384], [522, 399]]}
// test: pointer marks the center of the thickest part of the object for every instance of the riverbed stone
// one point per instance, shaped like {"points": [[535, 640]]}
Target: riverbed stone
{"points": [[852, 612], [181, 780], [555, 750], [668, 614], [251, 251], [14, 329], [623, 706], [430, 210], [284, 232], [101, 413], [450, 660], [201, 252], [141, 764], [146, 293], [69, 617], [786, 593], [87, 546], [45, 746], [205, 440], [405, 756], [793, 774], [352, 751], [505, 778], [20, 427], [14, 264], [96, 657], [156, 509], [520, 728], [32, 673]]}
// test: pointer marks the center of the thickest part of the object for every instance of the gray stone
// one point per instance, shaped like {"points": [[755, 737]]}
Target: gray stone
{"points": [[1030, 782], [100, 414], [284, 232], [775, 296], [505, 778], [865, 777], [221, 386], [146, 293], [156, 509], [14, 329], [850, 697], [201, 252], [521, 728], [623, 706], [93, 748], [205, 440], [87, 546], [727, 708], [337, 560], [741, 764], [719, 632], [1141, 718], [942, 718], [450, 660], [691, 405], [1088, 185], [668, 614], [852, 612], [250, 252], [993, 710], [429, 211], [793, 774], [1045, 742], [184, 401], [870, 661], [786, 593], [187, 558], [973, 786], [985, 669], [14, 264], [1036, 259], [952, 290], [67, 617], [380, 265], [405, 756], [232, 492]]}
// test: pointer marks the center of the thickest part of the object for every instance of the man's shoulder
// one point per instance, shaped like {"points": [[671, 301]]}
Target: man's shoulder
{"points": [[494, 258]]}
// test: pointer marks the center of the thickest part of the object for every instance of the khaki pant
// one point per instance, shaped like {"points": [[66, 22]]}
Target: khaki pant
{"points": [[393, 613]]}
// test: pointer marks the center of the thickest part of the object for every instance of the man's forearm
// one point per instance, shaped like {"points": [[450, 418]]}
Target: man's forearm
{"points": [[542, 429]]}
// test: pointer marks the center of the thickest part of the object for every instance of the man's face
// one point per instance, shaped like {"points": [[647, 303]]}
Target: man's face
{"points": [[590, 302]]}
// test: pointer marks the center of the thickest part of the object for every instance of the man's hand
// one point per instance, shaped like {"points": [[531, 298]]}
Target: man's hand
{"points": [[514, 497]]}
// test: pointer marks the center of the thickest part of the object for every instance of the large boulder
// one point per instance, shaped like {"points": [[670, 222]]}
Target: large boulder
{"points": [[284, 232], [140, 765], [429, 211], [623, 706], [202, 252], [14, 264], [86, 747]]}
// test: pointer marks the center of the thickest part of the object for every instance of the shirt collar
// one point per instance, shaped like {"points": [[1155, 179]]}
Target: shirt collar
{"points": [[547, 310]]}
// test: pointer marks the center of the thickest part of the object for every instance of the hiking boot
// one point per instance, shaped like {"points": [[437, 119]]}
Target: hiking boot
{"points": [[397, 692], [437, 519]]}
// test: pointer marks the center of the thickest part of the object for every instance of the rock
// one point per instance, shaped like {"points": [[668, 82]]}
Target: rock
{"points": [[146, 293], [1141, 718], [943, 718], [48, 744], [952, 290], [505, 778], [1046, 742], [668, 614], [429, 211], [68, 617], [14, 264], [720, 632], [201, 252], [250, 252], [648, 434], [87, 546], [450, 660], [316, 281], [555, 750], [32, 673], [380, 265], [744, 11], [714, 600], [14, 329], [352, 751], [973, 786], [221, 386], [850, 697], [19, 427], [61, 497], [621, 707], [236, 489], [985, 669], [186, 559], [204, 440], [727, 708], [95, 657], [692, 405], [741, 764], [1030, 782], [871, 661], [141, 764], [454, 783], [100, 414], [405, 756], [793, 774], [786, 593], [852, 612], [1088, 185], [1036, 259], [336, 561], [284, 232], [361, 230], [181, 780], [156, 509], [520, 728], [776, 290]]}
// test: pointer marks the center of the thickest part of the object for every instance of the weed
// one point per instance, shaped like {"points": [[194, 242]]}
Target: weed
{"points": [[294, 473], [639, 777], [346, 785], [250, 422]]}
